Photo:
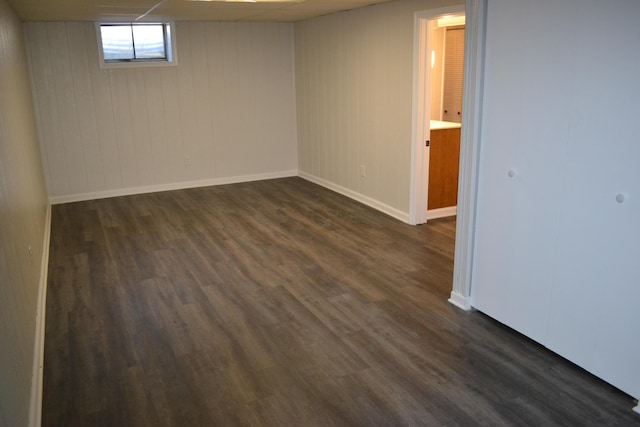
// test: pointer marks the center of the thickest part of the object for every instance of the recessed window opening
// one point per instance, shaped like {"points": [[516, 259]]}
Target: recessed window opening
{"points": [[135, 44]]}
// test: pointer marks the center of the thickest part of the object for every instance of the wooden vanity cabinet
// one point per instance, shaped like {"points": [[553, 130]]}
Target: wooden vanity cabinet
{"points": [[444, 157]]}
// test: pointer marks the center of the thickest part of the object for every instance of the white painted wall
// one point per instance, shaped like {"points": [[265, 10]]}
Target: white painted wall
{"points": [[556, 255], [437, 72], [23, 224], [229, 105], [354, 74]]}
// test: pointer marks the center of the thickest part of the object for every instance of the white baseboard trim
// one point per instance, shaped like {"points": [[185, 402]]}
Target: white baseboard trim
{"points": [[372, 203], [442, 212], [460, 301], [169, 187], [35, 410]]}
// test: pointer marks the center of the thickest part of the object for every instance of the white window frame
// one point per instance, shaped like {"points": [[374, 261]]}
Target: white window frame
{"points": [[171, 47]]}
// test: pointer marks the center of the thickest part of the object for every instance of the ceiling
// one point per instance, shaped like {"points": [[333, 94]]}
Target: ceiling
{"points": [[181, 10]]}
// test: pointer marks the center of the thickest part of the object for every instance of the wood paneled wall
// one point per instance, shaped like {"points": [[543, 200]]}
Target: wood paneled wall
{"points": [[229, 106], [23, 221], [354, 77]]}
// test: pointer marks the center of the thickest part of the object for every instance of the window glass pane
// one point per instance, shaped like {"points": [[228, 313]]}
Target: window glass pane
{"points": [[117, 42], [149, 41]]}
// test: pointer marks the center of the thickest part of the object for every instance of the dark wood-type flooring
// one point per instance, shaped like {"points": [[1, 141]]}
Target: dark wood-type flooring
{"points": [[280, 303]]}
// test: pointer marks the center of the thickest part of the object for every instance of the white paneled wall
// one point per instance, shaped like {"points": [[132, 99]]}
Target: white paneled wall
{"points": [[354, 95], [225, 112], [23, 225]]}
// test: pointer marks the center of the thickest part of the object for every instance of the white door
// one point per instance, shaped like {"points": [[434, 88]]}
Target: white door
{"points": [[595, 309], [557, 242], [523, 151]]}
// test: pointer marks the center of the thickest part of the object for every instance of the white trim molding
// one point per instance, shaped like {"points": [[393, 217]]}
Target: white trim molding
{"points": [[460, 301], [372, 203], [169, 187], [35, 410], [469, 151], [419, 155], [637, 407], [442, 212]]}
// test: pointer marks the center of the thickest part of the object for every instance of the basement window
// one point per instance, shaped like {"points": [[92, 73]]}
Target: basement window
{"points": [[136, 44]]}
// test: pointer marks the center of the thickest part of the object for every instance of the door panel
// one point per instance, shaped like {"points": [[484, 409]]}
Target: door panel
{"points": [[594, 310], [444, 160], [518, 216], [556, 254]]}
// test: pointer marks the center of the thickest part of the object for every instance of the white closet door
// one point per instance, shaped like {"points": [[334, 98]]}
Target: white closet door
{"points": [[557, 245], [524, 134], [595, 308]]}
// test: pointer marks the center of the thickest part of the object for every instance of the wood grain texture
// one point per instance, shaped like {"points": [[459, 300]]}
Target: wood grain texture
{"points": [[282, 303], [444, 163]]}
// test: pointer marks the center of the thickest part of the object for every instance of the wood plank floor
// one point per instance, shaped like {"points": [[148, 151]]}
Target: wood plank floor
{"points": [[280, 303]]}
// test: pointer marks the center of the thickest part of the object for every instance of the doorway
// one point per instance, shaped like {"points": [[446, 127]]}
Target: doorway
{"points": [[475, 21], [437, 112]]}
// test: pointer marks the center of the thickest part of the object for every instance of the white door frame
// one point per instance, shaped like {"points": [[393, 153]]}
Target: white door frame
{"points": [[475, 12], [422, 46], [470, 141]]}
